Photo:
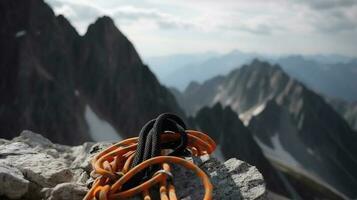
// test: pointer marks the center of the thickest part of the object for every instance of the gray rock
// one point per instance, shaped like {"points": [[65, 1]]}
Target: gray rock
{"points": [[13, 184], [44, 164], [65, 191], [233, 179], [39, 169]]}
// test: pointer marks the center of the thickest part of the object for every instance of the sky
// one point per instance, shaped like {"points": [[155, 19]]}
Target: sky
{"points": [[164, 27]]}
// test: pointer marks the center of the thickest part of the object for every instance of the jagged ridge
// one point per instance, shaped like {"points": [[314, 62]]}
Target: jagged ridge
{"points": [[313, 123]]}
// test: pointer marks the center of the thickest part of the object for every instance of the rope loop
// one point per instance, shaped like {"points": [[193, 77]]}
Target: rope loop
{"points": [[135, 165]]}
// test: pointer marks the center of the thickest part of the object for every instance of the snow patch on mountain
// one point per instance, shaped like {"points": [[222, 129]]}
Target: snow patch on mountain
{"points": [[247, 116], [20, 33], [100, 130], [278, 151]]}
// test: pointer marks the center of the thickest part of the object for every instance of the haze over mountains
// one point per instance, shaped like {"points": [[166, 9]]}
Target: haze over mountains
{"points": [[330, 75], [77, 88]]}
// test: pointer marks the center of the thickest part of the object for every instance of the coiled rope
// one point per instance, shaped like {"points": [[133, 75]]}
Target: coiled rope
{"points": [[132, 166]]}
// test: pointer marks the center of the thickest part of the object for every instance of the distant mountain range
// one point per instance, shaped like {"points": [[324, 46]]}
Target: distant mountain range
{"points": [[330, 75], [159, 65], [294, 126], [179, 76], [336, 80]]}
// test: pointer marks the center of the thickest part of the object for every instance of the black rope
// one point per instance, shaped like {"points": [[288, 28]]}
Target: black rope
{"points": [[150, 145]]}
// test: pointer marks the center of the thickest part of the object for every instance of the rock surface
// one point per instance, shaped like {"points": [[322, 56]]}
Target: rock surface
{"points": [[12, 178], [35, 168]]}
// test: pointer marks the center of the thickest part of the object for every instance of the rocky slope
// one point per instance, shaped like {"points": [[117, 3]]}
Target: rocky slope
{"points": [[32, 167], [305, 133], [242, 89], [50, 76], [320, 165], [115, 82], [235, 140], [346, 109]]}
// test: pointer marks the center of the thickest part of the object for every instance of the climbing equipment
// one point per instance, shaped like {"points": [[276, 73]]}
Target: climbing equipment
{"points": [[131, 166], [138, 164]]}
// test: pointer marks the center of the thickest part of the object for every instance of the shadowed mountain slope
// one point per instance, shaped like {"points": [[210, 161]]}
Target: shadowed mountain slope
{"points": [[50, 76], [235, 140]]}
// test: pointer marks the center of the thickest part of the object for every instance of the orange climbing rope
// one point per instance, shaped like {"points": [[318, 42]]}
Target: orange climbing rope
{"points": [[111, 168]]}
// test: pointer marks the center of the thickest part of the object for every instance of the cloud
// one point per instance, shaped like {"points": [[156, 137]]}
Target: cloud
{"points": [[328, 4], [262, 25], [163, 20], [168, 26], [81, 12], [260, 29], [336, 22], [75, 10], [331, 16]]}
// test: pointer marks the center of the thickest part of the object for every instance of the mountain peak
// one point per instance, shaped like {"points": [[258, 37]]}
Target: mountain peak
{"points": [[259, 68], [192, 86], [66, 25], [106, 26], [256, 63], [110, 67], [105, 20], [104, 38], [286, 113], [218, 106]]}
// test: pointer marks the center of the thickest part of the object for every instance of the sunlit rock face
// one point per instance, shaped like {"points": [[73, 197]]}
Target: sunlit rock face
{"points": [[49, 75], [293, 125]]}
